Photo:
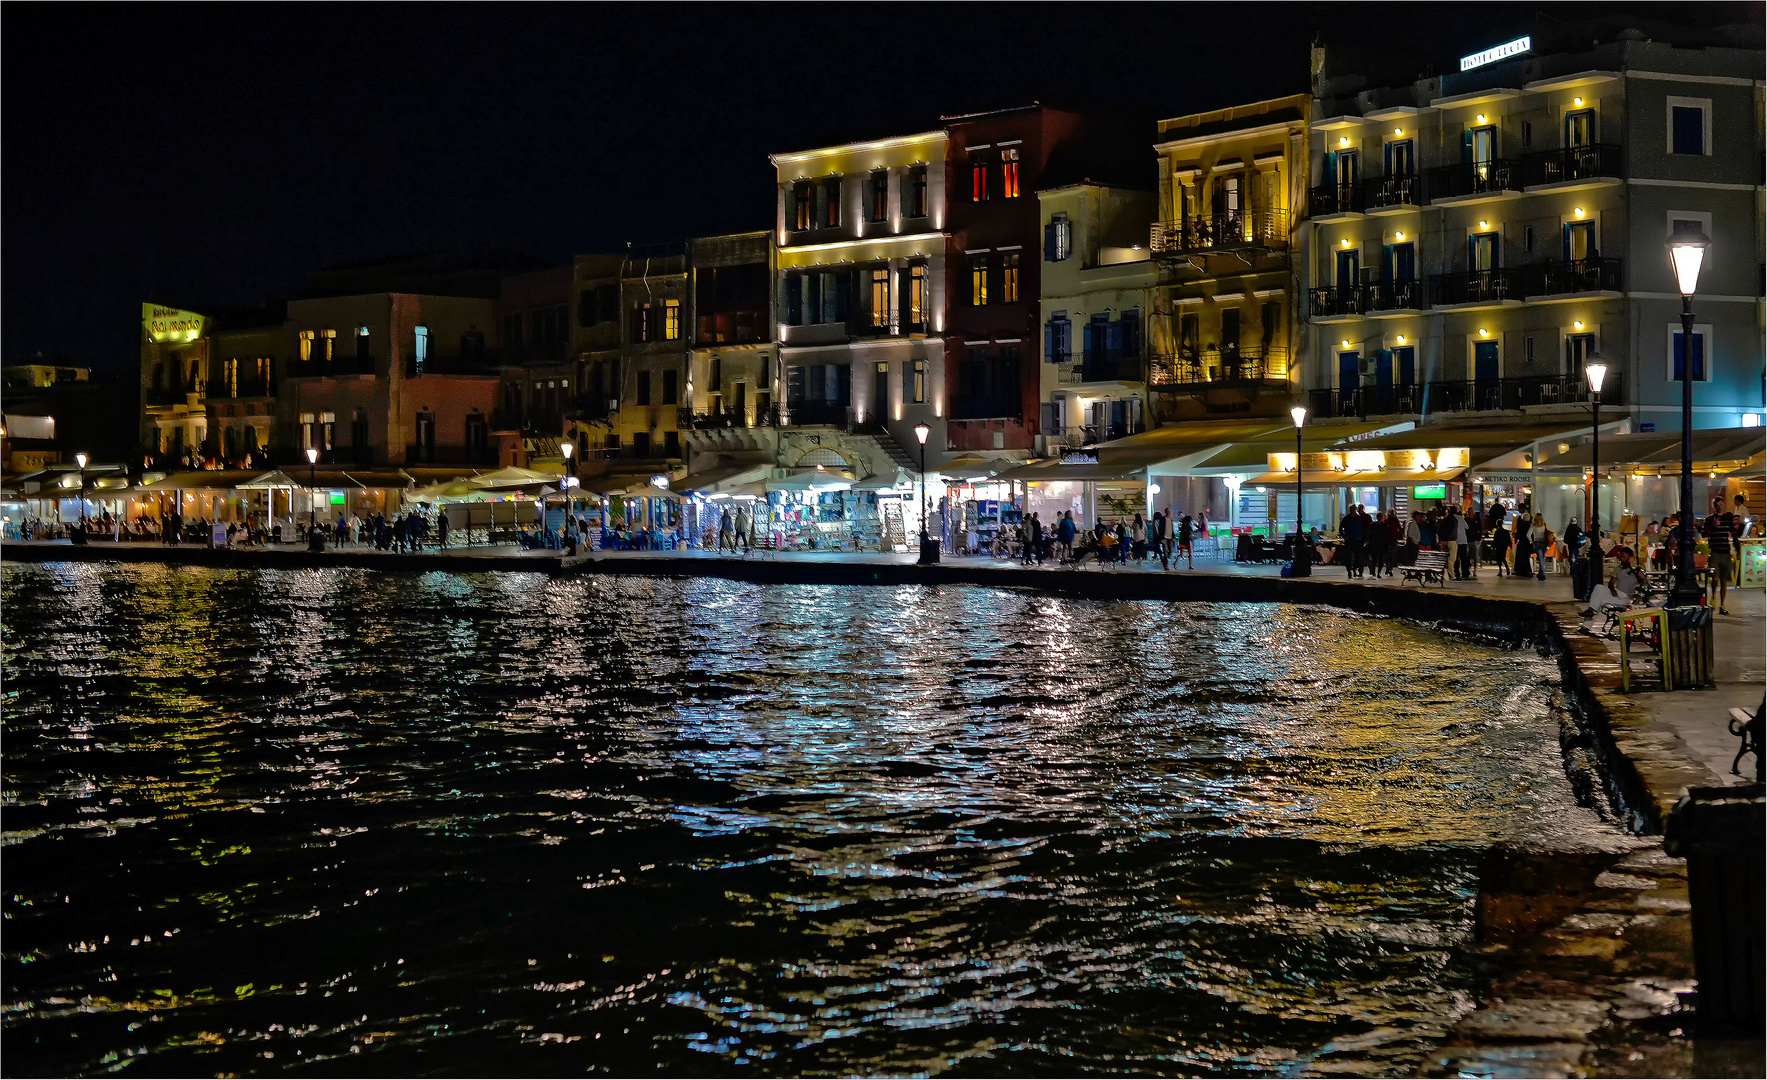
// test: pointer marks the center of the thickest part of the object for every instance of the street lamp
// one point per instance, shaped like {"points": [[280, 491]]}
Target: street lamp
{"points": [[80, 459], [314, 541], [921, 431], [1687, 250], [565, 447], [1303, 554], [1596, 371]]}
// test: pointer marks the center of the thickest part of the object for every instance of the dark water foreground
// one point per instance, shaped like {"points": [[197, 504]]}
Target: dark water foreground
{"points": [[338, 822]]}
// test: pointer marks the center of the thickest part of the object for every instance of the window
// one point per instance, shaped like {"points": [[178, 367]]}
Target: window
{"points": [[472, 346], [831, 202], [478, 439], [914, 193], [1058, 339], [880, 195], [1690, 126], [420, 354], [794, 300], [1129, 334], [1009, 173], [671, 320], [671, 388], [917, 388], [327, 431], [608, 303], [363, 344], [800, 194], [640, 322], [1527, 133], [1189, 335], [978, 178], [426, 436], [1579, 348], [671, 444], [1058, 241], [880, 296], [1702, 367], [230, 376], [359, 434], [644, 388], [1527, 238], [917, 298], [586, 314], [641, 444], [1009, 278], [978, 280]]}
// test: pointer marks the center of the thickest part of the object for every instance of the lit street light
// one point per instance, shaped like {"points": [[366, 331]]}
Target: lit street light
{"points": [[315, 542], [80, 459], [1596, 371], [565, 447], [1303, 553], [1687, 250]]}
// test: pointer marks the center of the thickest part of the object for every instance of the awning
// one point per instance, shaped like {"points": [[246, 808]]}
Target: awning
{"points": [[207, 480], [1403, 477], [1649, 450], [513, 475], [722, 478], [1051, 471], [813, 480]]}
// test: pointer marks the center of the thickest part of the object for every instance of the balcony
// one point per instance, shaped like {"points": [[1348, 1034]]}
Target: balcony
{"points": [[1230, 232], [1386, 194], [1574, 278], [447, 365], [1111, 366], [731, 328], [1333, 302], [714, 419], [1093, 434], [1246, 363], [987, 407], [1475, 395], [1573, 166], [1474, 180], [1489, 288], [1330, 200], [592, 408]]}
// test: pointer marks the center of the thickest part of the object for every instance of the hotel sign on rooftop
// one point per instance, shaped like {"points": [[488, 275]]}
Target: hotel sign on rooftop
{"points": [[1497, 52]]}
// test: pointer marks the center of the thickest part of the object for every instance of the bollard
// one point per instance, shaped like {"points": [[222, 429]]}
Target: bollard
{"points": [[1720, 832]]}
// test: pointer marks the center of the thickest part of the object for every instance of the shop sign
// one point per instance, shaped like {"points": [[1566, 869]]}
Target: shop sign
{"points": [[1322, 462], [169, 324], [1503, 478], [1079, 459], [1496, 52]]}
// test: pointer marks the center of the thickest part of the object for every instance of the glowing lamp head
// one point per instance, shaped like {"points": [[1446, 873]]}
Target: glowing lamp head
{"points": [[1345, 242], [1401, 339], [81, 458], [1481, 118], [1484, 332], [1399, 236], [1578, 325], [1687, 249], [1299, 412], [1484, 224], [1344, 343], [567, 448], [1578, 211], [312, 455], [1398, 131], [1597, 371], [921, 431], [1343, 140], [1576, 101]]}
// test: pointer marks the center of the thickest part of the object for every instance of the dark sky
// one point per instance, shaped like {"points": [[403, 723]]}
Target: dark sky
{"points": [[218, 153]]}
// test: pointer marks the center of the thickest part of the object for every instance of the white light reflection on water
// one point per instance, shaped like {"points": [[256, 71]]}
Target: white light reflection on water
{"points": [[538, 825]]}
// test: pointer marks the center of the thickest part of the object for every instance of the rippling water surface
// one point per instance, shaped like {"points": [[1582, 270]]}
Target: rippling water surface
{"points": [[340, 822]]}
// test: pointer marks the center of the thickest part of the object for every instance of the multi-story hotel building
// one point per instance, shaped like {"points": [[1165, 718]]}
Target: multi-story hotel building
{"points": [[1230, 185], [631, 340], [862, 298], [733, 363], [1476, 238]]}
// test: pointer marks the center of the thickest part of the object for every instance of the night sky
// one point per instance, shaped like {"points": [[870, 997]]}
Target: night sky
{"points": [[216, 154]]}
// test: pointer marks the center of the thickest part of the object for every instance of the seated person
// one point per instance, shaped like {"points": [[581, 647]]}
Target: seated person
{"points": [[1621, 585]]}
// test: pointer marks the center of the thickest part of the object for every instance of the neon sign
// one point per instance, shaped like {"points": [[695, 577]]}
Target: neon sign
{"points": [[1496, 53]]}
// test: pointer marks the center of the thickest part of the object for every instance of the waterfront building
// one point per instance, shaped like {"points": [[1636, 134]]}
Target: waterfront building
{"points": [[56, 410], [861, 278], [539, 366], [208, 383], [1231, 192], [1475, 238], [1097, 295], [733, 381]]}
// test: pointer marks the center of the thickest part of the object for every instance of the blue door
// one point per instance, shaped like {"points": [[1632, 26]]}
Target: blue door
{"points": [[1383, 381], [1349, 381], [1485, 376]]}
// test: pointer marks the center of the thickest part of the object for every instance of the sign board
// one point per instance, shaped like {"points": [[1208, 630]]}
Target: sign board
{"points": [[337, 498], [169, 324], [1496, 52], [218, 536], [1647, 426], [1430, 491], [1503, 478]]}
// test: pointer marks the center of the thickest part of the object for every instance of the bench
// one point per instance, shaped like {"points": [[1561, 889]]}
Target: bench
{"points": [[1748, 729], [1429, 564]]}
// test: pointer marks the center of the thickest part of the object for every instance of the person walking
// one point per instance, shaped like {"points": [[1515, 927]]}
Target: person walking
{"points": [[1448, 535], [1122, 533], [1722, 531], [1500, 543], [1539, 536], [1350, 532], [726, 533], [1138, 536], [1187, 541], [1033, 546], [1064, 537]]}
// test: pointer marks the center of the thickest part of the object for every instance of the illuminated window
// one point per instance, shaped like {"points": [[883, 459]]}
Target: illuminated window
{"points": [[230, 376], [917, 296], [880, 195], [978, 178], [880, 296], [800, 194], [917, 383], [1009, 173], [1058, 239], [421, 353], [914, 193], [831, 202], [978, 280], [641, 328], [671, 320], [363, 344], [1009, 278]]}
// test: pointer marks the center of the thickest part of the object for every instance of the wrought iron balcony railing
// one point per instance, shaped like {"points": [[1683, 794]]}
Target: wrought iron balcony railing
{"points": [[1578, 276], [1335, 199], [1246, 363], [1455, 396], [1572, 163], [1400, 190], [1474, 178], [1476, 287], [1235, 231]]}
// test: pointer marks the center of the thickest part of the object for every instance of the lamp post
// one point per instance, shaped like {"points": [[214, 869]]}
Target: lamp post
{"points": [[80, 459], [315, 542], [565, 446], [1596, 372], [1687, 250], [1303, 554], [921, 431]]}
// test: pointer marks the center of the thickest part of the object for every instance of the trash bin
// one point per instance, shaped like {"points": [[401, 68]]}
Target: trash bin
{"points": [[1721, 832], [1689, 647]]}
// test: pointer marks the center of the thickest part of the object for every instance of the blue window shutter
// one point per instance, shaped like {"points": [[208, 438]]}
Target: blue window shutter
{"points": [[1049, 354], [1050, 253]]}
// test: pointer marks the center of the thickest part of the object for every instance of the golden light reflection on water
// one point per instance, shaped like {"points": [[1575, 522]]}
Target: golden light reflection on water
{"points": [[263, 820]]}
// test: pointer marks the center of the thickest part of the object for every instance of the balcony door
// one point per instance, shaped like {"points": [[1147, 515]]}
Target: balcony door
{"points": [[1349, 379], [1348, 274], [1230, 337], [1482, 152], [1486, 365], [1580, 129], [1400, 273], [880, 391], [1401, 158], [1579, 241], [1348, 170]]}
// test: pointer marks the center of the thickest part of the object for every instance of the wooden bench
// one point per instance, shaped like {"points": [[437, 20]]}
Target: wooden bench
{"points": [[1748, 729], [1429, 565]]}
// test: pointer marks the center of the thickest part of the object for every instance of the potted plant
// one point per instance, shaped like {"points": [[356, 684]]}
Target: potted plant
{"points": [[1702, 550]]}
